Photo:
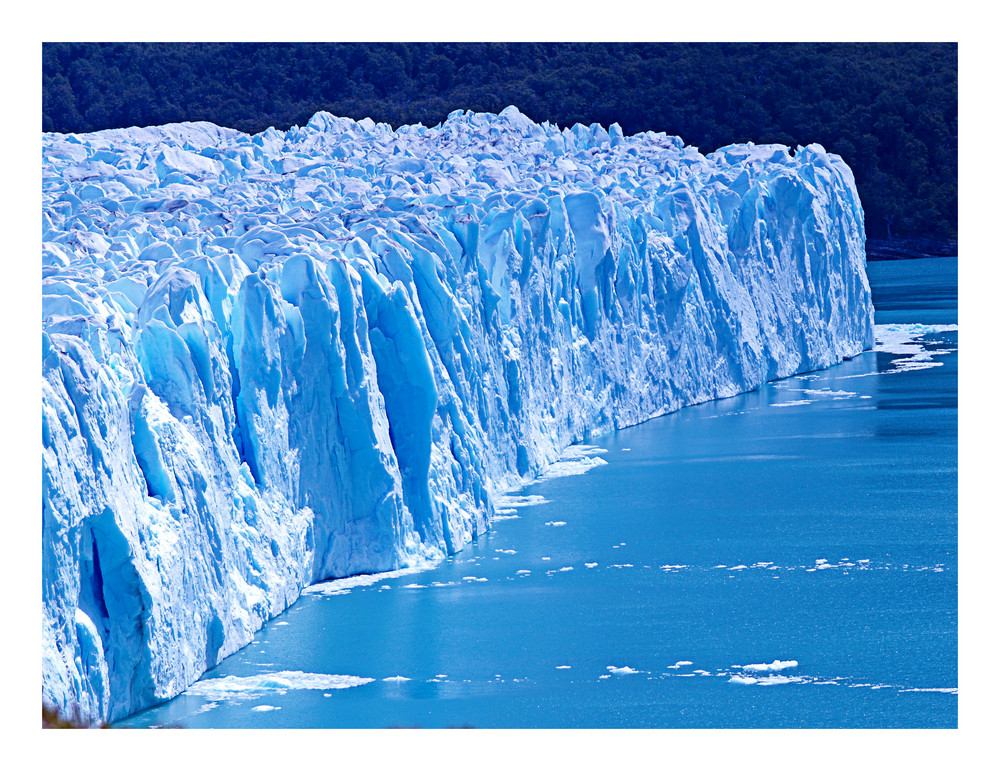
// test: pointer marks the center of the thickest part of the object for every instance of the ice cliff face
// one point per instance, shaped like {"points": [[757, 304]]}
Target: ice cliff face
{"points": [[274, 359]]}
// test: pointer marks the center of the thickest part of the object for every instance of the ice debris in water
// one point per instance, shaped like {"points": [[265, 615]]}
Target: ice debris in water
{"points": [[577, 459], [255, 686], [277, 359], [341, 585], [769, 680], [904, 340], [520, 501], [774, 666]]}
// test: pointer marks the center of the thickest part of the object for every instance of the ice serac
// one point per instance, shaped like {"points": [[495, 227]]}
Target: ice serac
{"points": [[274, 359]]}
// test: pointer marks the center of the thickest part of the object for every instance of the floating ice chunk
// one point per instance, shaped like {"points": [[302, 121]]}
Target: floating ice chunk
{"points": [[563, 666], [575, 459], [796, 403], [264, 708], [255, 686], [557, 523], [519, 501], [395, 679], [590, 564], [779, 680], [902, 340], [930, 690], [505, 551], [281, 623], [569, 468], [769, 680], [341, 585], [680, 664], [523, 572], [774, 666], [623, 670], [473, 578]]}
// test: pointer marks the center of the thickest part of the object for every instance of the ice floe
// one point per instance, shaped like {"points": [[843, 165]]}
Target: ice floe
{"points": [[774, 666], [576, 459], [906, 342], [255, 686], [505, 502], [343, 585]]}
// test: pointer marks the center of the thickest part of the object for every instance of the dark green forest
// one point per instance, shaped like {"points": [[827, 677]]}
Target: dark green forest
{"points": [[890, 109]]}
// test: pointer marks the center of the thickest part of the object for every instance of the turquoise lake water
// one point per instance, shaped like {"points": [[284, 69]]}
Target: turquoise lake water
{"points": [[784, 558]]}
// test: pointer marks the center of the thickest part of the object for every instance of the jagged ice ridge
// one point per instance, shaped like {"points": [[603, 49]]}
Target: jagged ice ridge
{"points": [[275, 359]]}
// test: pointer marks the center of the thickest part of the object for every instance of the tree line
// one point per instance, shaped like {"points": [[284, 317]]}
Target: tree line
{"points": [[889, 109]]}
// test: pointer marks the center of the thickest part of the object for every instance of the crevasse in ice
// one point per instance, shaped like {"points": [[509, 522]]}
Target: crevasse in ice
{"points": [[274, 359]]}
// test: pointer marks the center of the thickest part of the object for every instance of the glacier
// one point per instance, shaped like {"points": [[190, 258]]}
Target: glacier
{"points": [[274, 359]]}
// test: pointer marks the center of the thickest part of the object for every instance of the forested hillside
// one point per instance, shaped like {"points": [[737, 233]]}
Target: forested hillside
{"points": [[891, 110]]}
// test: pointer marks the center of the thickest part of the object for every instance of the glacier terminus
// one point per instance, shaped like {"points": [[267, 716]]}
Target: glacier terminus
{"points": [[276, 359]]}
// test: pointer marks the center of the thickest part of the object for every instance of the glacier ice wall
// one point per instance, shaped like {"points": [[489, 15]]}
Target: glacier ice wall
{"points": [[274, 359]]}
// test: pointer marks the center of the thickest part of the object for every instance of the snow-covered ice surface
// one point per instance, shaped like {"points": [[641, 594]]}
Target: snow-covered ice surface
{"points": [[277, 359]]}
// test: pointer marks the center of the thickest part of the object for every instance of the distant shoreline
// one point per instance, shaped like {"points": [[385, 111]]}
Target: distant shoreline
{"points": [[877, 249]]}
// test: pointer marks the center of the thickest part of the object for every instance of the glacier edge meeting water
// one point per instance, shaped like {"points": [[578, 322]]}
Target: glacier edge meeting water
{"points": [[275, 359]]}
